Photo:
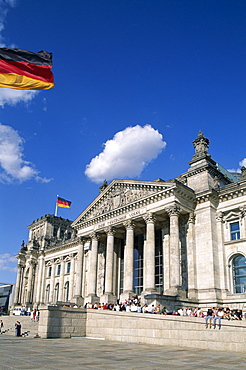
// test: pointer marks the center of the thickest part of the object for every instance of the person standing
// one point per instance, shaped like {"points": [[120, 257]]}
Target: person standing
{"points": [[1, 325], [18, 329]]}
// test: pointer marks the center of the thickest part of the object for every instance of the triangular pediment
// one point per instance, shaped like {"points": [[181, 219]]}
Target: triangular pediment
{"points": [[120, 193]]}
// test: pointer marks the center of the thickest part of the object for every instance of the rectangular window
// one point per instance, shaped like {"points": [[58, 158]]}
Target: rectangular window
{"points": [[235, 230], [49, 271], [58, 269], [68, 267]]}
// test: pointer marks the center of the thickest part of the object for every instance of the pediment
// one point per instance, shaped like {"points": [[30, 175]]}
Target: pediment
{"points": [[120, 193]]}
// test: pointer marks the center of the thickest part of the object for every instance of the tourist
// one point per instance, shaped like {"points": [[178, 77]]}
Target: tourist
{"points": [[18, 329], [210, 315], [218, 316]]}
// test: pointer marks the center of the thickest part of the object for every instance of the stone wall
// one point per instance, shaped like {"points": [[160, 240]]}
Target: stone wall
{"points": [[165, 330], [62, 322]]}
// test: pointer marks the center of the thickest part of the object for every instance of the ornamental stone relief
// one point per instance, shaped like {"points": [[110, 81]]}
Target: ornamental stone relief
{"points": [[120, 196]]}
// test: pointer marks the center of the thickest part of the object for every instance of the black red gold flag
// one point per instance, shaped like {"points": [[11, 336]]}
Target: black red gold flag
{"points": [[24, 70], [60, 202]]}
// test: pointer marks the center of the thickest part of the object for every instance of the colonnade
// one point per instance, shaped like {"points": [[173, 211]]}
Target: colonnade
{"points": [[37, 269]]}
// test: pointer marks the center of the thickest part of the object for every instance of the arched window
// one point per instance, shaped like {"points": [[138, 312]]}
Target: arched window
{"points": [[57, 292], [47, 297], [239, 274], [66, 287]]}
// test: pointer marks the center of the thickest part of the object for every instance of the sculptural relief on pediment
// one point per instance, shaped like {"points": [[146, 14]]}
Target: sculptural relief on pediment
{"points": [[119, 196]]}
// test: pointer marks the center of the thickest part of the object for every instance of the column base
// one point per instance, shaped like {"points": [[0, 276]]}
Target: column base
{"points": [[108, 298], [78, 300], [176, 290], [91, 298], [126, 295]]}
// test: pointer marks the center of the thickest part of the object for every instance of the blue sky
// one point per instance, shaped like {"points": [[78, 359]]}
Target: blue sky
{"points": [[134, 83]]}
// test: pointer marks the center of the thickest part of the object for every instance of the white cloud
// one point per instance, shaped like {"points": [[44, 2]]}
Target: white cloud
{"points": [[12, 96], [243, 163], [8, 262], [11, 158], [127, 154], [4, 8]]}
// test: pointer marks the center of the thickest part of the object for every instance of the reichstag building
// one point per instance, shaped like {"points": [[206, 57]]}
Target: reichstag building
{"points": [[178, 243]]}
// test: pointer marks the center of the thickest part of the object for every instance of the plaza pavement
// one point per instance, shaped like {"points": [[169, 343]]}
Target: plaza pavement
{"points": [[84, 353]]}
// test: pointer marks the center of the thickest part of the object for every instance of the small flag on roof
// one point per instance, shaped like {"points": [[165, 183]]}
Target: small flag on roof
{"points": [[24, 70], [60, 202]]}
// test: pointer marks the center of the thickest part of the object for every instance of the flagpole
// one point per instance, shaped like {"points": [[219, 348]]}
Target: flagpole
{"points": [[56, 209]]}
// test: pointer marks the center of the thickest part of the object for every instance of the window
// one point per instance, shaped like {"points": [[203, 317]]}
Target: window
{"points": [[239, 274], [66, 287], [68, 267], [55, 231], [158, 261], [49, 271], [58, 269], [138, 264], [57, 292], [62, 233], [235, 230], [47, 297]]}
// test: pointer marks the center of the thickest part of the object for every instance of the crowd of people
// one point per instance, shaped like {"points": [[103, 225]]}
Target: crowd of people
{"points": [[34, 314], [134, 305]]}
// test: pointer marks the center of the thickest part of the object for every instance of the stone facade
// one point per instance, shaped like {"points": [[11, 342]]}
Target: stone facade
{"points": [[178, 242]]}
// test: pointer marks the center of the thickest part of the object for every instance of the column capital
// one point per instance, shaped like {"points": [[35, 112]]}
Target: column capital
{"points": [[110, 230], [129, 224], [149, 218], [173, 210], [94, 236]]}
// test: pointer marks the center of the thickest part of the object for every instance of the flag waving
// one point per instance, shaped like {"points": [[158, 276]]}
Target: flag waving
{"points": [[60, 202], [24, 70]]}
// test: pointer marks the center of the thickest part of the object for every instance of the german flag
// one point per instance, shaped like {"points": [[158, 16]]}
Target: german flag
{"points": [[60, 202], [23, 70]]}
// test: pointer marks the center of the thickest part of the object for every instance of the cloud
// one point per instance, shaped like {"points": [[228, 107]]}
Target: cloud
{"points": [[4, 8], [8, 262], [243, 163], [11, 158], [127, 154], [12, 96]]}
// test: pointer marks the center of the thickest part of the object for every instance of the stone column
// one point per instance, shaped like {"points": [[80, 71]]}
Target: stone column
{"points": [[191, 258], [223, 281], [61, 281], [30, 282], [52, 282], [175, 273], [79, 273], [19, 280], [109, 263], [40, 277], [71, 278], [92, 276], [149, 255], [128, 260]]}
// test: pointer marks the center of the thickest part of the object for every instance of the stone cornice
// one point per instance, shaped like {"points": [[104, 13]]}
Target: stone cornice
{"points": [[64, 245], [208, 195], [232, 191]]}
